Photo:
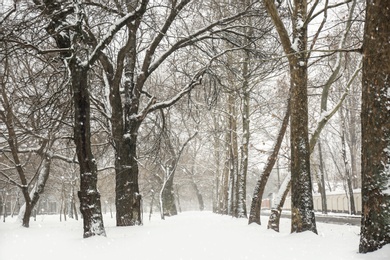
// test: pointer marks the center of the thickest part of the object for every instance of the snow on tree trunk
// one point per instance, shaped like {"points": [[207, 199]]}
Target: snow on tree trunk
{"points": [[90, 205], [302, 215], [43, 175], [303, 218], [375, 226], [274, 218], [254, 215], [127, 199]]}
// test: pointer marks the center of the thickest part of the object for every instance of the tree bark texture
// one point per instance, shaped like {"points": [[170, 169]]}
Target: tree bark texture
{"points": [[127, 199], [375, 226], [303, 218], [90, 205], [302, 215]]}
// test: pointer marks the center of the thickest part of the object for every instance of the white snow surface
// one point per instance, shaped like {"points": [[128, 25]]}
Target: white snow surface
{"points": [[190, 235]]}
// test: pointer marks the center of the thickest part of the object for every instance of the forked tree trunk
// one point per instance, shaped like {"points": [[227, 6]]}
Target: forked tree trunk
{"points": [[302, 218], [254, 215], [8, 118]]}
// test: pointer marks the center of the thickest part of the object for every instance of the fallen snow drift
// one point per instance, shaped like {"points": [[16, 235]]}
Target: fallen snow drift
{"points": [[191, 235]]}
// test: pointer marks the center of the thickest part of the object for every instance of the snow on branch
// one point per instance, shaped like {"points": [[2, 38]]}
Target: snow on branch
{"points": [[195, 81], [326, 115], [113, 30], [193, 38], [11, 180]]}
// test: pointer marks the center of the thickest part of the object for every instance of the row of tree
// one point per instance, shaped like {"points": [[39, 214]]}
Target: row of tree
{"points": [[145, 89]]}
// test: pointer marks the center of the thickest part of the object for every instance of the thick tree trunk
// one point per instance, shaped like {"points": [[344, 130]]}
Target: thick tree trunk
{"points": [[302, 213], [375, 227], [127, 199], [90, 205], [303, 218]]}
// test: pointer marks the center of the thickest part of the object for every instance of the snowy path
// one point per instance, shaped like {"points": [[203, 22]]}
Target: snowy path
{"points": [[191, 235]]}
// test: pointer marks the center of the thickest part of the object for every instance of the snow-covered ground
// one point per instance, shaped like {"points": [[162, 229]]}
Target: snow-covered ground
{"points": [[190, 235]]}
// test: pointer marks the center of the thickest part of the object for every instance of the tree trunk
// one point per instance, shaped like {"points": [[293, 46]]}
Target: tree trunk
{"points": [[198, 194], [352, 140], [375, 226], [233, 155], [8, 119], [4, 204], [151, 205], [322, 181], [168, 196], [245, 100], [177, 195], [254, 215], [348, 175], [302, 213], [125, 132], [224, 187], [43, 175], [127, 199], [274, 218], [90, 205], [303, 218], [217, 155]]}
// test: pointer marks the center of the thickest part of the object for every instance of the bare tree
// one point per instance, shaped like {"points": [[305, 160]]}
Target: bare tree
{"points": [[303, 218]]}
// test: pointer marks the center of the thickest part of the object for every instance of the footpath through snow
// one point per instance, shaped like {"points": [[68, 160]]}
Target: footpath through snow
{"points": [[190, 235]]}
